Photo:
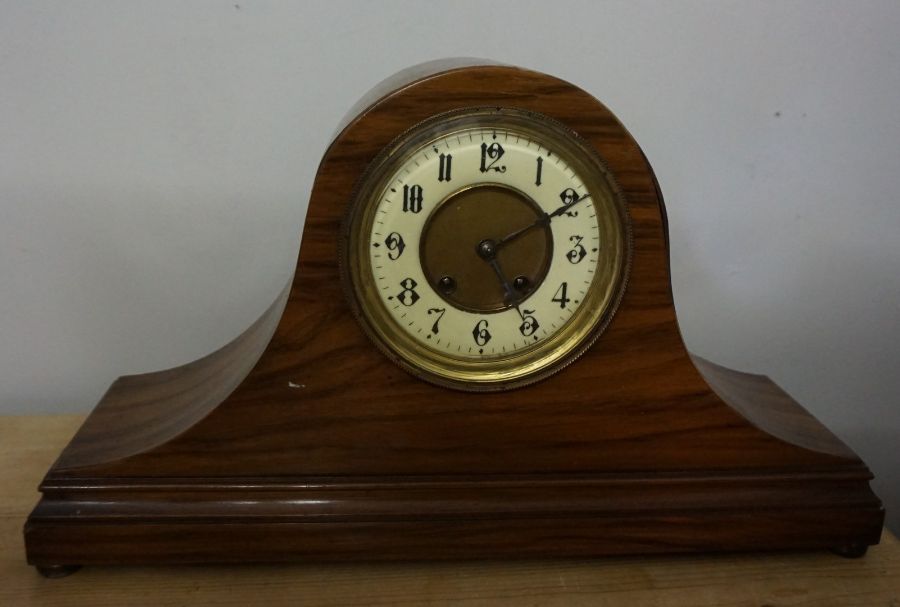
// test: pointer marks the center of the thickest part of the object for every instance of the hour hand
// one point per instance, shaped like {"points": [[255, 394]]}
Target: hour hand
{"points": [[487, 250]]}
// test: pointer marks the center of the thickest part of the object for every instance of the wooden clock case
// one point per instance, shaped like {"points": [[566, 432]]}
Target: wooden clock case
{"points": [[300, 440]]}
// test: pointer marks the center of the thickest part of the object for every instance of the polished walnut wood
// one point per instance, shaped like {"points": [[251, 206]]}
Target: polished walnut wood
{"points": [[783, 579], [326, 449]]}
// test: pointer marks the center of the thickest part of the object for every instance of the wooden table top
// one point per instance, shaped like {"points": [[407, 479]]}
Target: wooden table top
{"points": [[29, 444]]}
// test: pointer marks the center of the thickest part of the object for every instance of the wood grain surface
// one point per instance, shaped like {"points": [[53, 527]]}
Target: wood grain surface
{"points": [[326, 449], [323, 401], [28, 445]]}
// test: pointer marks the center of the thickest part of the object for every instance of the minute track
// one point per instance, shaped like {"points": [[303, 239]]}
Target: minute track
{"points": [[503, 332]]}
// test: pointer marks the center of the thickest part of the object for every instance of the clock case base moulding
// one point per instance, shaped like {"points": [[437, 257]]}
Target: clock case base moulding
{"points": [[299, 440]]}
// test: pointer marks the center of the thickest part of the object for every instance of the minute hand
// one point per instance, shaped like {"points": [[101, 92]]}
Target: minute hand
{"points": [[543, 220]]}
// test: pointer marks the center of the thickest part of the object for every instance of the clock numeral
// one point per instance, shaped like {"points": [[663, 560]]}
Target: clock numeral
{"points": [[394, 243], [446, 164], [529, 324], [490, 154], [577, 252], [440, 314], [569, 197], [408, 295], [560, 295], [412, 199], [540, 167], [480, 333]]}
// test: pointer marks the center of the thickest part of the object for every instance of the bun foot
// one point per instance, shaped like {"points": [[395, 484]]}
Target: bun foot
{"points": [[57, 571], [853, 550]]}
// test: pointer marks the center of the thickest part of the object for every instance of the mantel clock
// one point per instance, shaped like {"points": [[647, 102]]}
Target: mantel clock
{"points": [[477, 356]]}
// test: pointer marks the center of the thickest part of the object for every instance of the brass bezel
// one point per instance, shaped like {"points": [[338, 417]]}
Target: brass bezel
{"points": [[524, 366]]}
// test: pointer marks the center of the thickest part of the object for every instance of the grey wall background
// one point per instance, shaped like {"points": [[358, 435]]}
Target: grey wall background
{"points": [[156, 158]]}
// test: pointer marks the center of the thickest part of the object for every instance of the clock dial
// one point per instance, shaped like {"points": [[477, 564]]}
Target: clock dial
{"points": [[430, 234], [486, 249]]}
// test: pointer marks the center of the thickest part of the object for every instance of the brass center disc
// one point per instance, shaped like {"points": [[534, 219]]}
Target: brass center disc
{"points": [[465, 219]]}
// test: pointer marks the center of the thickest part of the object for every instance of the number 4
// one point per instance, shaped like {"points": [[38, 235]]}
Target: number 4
{"points": [[560, 295]]}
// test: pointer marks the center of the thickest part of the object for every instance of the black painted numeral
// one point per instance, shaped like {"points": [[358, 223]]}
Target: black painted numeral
{"points": [[394, 243], [529, 323], [439, 312], [412, 199], [480, 333], [577, 252], [408, 295], [490, 154], [540, 168], [569, 197], [446, 165], [560, 295]]}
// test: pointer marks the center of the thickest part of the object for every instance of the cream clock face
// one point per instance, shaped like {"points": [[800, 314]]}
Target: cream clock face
{"points": [[486, 249], [440, 215]]}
